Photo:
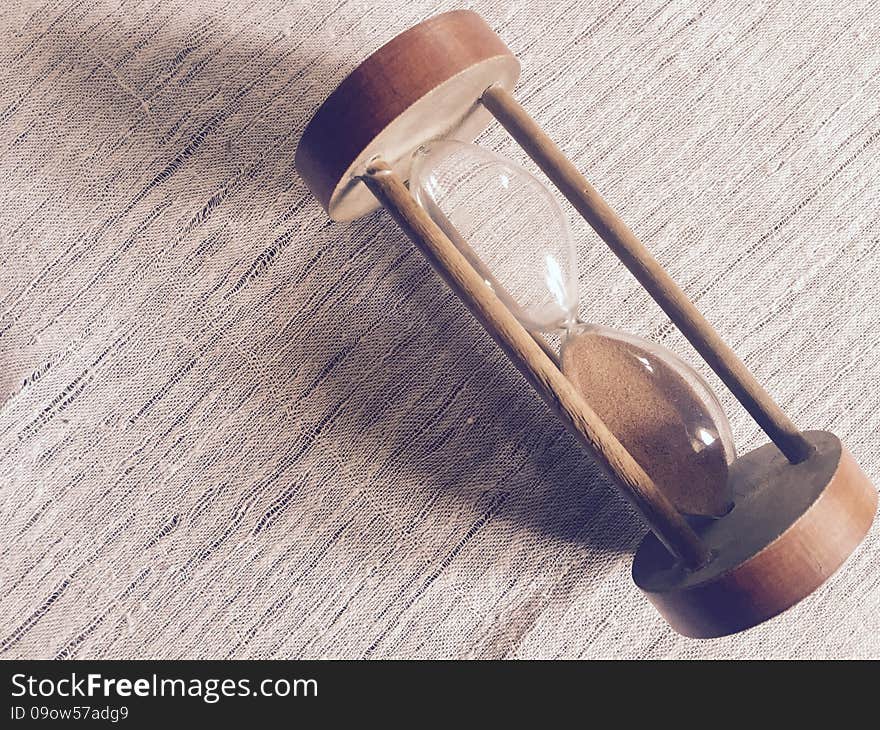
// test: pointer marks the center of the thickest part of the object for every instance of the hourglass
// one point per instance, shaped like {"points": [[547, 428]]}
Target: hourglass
{"points": [[732, 541]]}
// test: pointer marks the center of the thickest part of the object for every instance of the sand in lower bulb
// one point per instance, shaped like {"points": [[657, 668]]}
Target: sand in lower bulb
{"points": [[660, 410]]}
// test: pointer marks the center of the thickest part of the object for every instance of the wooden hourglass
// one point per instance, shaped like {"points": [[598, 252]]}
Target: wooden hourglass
{"points": [[800, 505]]}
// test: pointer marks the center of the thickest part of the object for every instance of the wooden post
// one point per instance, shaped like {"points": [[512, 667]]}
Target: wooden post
{"points": [[533, 362], [659, 284]]}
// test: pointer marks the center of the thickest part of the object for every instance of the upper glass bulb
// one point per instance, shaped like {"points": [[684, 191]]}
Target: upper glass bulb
{"points": [[507, 224]]}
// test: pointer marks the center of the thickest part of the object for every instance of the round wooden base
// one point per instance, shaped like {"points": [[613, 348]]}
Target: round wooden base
{"points": [[422, 85], [791, 527]]}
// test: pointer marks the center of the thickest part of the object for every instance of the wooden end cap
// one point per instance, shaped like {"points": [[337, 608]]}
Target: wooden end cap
{"points": [[792, 527], [423, 84]]}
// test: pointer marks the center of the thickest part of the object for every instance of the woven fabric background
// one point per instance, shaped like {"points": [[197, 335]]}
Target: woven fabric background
{"points": [[229, 428]]}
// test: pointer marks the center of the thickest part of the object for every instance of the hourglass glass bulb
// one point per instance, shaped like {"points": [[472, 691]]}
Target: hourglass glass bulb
{"points": [[660, 408], [507, 224]]}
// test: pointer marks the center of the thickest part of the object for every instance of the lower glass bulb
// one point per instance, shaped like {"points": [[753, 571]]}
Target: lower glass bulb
{"points": [[660, 409]]}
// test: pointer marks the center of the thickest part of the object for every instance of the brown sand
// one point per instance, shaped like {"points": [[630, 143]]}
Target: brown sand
{"points": [[648, 412]]}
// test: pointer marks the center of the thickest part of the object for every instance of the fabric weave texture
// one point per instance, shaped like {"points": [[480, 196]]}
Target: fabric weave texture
{"points": [[229, 428]]}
